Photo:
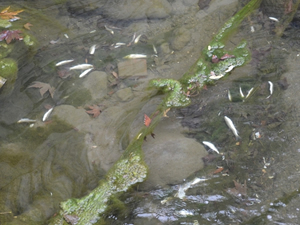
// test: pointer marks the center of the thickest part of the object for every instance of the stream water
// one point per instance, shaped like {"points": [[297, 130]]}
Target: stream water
{"points": [[43, 163]]}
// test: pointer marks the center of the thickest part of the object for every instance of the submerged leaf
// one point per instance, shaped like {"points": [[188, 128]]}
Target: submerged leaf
{"points": [[9, 35], [4, 14], [44, 87], [94, 110]]}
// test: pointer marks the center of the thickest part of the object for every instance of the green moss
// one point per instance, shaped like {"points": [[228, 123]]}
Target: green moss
{"points": [[5, 23], [8, 69], [5, 49]]}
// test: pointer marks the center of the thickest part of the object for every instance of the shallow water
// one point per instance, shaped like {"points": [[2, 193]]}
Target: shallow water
{"points": [[67, 155]]}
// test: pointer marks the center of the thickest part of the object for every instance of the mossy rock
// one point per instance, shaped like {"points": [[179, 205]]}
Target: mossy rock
{"points": [[9, 69], [5, 49]]}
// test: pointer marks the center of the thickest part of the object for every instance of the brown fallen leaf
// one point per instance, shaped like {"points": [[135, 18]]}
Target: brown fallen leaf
{"points": [[239, 190], [44, 87], [27, 26], [4, 14], [94, 110]]}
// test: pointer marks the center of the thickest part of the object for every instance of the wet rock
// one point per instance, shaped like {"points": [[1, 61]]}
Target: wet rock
{"points": [[71, 115], [190, 2], [181, 37], [96, 83], [165, 48], [125, 94], [203, 4], [137, 9], [171, 157], [132, 67]]}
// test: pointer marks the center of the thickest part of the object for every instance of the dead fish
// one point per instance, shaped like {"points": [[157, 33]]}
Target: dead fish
{"points": [[108, 29], [85, 72], [214, 76], [47, 114], [229, 95], [92, 49], [137, 39], [119, 44], [229, 69], [274, 19], [26, 120], [241, 93], [271, 88], [135, 56], [231, 126], [154, 49], [82, 67], [64, 62], [211, 146], [132, 40], [249, 92]]}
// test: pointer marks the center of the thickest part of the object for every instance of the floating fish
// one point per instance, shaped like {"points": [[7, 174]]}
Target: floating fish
{"points": [[26, 120], [231, 126], [64, 62], [82, 67], [85, 72], [135, 56], [271, 88], [92, 49], [47, 114], [211, 146]]}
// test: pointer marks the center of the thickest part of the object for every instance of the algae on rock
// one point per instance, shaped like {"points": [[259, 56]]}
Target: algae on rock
{"points": [[131, 169]]}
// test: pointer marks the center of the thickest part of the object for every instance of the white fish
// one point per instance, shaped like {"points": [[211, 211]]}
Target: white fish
{"points": [[274, 19], [26, 120], [47, 114], [231, 126], [271, 88], [229, 69], [211, 146], [135, 56], [154, 49], [229, 95], [64, 62], [66, 36], [108, 29], [241, 93], [85, 72], [249, 92], [82, 67], [214, 76], [92, 49], [137, 39]]}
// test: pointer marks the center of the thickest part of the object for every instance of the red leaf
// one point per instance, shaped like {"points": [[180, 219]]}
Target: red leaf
{"points": [[9, 35], [147, 120]]}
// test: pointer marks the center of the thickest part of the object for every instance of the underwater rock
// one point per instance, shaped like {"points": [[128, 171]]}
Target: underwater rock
{"points": [[171, 157], [137, 9], [71, 115], [125, 94], [182, 36], [96, 83]]}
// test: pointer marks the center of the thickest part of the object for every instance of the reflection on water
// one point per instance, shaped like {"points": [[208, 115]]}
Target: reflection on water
{"points": [[45, 162]]}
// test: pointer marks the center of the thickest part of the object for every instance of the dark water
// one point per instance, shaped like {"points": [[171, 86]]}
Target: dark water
{"points": [[49, 162]]}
